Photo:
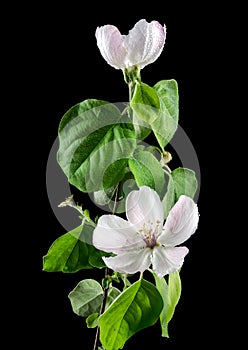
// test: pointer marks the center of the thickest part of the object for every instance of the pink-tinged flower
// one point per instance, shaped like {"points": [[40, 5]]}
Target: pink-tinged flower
{"points": [[143, 240], [142, 46]]}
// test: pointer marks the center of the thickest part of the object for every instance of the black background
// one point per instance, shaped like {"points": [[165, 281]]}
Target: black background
{"points": [[57, 64]]}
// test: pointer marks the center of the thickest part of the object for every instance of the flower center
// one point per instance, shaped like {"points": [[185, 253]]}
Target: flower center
{"points": [[149, 232]]}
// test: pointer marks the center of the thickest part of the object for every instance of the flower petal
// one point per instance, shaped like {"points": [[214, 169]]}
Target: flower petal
{"points": [[181, 223], [114, 234], [110, 44], [167, 260], [144, 43], [130, 262], [144, 205]]}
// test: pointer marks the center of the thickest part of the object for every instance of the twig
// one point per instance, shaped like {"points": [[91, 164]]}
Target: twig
{"points": [[103, 304]]}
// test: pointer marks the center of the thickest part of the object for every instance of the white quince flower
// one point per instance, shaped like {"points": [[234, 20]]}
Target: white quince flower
{"points": [[142, 240], [142, 46]]}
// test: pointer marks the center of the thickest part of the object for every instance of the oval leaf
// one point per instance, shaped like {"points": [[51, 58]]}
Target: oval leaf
{"points": [[181, 181], [74, 251], [138, 307], [170, 293], [78, 111], [94, 148], [86, 297], [95, 257], [165, 126], [162, 287], [92, 320], [145, 102], [147, 171], [113, 293], [174, 293], [167, 91], [68, 253], [185, 182], [170, 198]]}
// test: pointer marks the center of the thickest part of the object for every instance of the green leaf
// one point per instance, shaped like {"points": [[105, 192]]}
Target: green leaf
{"points": [[167, 91], [170, 293], [165, 125], [74, 251], [86, 297], [78, 110], [174, 293], [103, 197], [182, 181], [170, 198], [70, 252], [145, 102], [94, 148], [95, 257], [113, 293], [142, 129], [138, 307], [147, 170], [92, 320], [185, 182], [162, 287], [126, 185], [86, 300]]}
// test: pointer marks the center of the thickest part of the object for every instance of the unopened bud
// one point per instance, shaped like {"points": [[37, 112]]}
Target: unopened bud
{"points": [[166, 157]]}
